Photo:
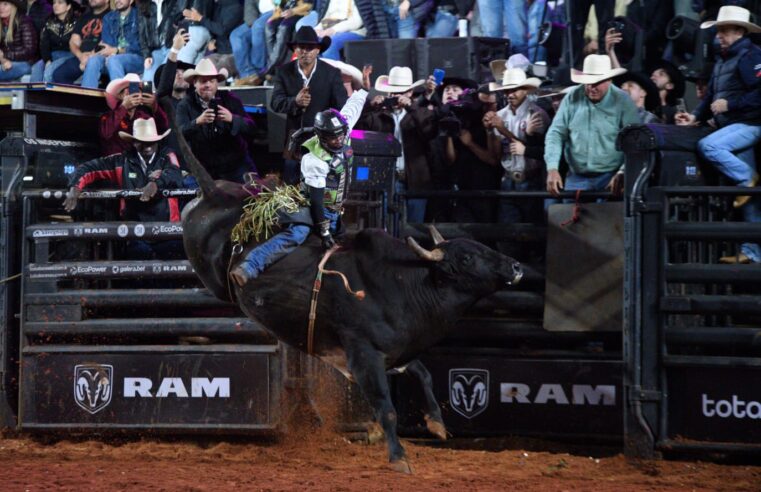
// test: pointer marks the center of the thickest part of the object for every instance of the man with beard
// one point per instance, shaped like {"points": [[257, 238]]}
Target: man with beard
{"points": [[303, 88], [585, 128], [120, 53]]}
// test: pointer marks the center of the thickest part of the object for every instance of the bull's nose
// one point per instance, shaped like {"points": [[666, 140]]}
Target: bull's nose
{"points": [[517, 273]]}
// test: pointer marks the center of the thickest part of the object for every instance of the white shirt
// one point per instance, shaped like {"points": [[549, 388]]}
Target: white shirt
{"points": [[345, 11], [315, 170], [398, 116], [304, 77], [143, 164], [158, 12], [265, 6]]}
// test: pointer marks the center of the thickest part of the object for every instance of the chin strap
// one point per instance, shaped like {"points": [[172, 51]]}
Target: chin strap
{"points": [[359, 295]]}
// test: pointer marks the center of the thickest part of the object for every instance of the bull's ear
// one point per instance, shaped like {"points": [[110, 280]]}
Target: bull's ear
{"points": [[435, 235], [435, 255]]}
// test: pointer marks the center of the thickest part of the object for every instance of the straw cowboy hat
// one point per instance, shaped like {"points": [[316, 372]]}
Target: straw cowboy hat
{"points": [[205, 68], [116, 86], [399, 79], [733, 16], [346, 69], [514, 78], [596, 69], [143, 130]]}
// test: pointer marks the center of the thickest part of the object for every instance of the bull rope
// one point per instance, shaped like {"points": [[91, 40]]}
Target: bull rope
{"points": [[360, 294]]}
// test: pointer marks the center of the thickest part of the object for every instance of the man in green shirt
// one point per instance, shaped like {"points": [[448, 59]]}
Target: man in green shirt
{"points": [[585, 128]]}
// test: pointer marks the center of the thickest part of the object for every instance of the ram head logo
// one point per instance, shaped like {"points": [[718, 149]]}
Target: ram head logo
{"points": [[468, 391], [92, 386]]}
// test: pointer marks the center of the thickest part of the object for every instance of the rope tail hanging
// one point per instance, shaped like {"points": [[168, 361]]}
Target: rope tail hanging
{"points": [[576, 211]]}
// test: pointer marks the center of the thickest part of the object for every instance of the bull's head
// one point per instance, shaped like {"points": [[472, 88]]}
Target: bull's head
{"points": [[469, 263]]}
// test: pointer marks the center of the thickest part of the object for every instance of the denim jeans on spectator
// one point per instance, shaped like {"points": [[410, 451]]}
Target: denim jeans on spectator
{"points": [[415, 206], [338, 41], [311, 20], [194, 50], [159, 57], [443, 25], [58, 58], [730, 149], [17, 70], [67, 72], [493, 17], [534, 52], [240, 40], [120, 65], [95, 67], [401, 28], [280, 245]]}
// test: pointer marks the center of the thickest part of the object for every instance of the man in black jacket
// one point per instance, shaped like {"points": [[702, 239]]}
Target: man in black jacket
{"points": [[303, 88], [215, 124]]}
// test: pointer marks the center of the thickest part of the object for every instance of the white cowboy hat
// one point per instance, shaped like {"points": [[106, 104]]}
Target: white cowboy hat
{"points": [[596, 69], [116, 86], [733, 16], [205, 68], [345, 69], [514, 78], [399, 79], [143, 130]]}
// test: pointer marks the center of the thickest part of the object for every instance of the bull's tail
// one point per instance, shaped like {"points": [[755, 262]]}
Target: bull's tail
{"points": [[196, 168]]}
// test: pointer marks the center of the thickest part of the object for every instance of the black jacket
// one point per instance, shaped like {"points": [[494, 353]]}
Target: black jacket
{"points": [[124, 170], [55, 36], [221, 147], [326, 88], [152, 36], [225, 16]]}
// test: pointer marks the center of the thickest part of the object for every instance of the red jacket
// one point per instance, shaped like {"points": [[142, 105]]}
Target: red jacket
{"points": [[23, 48], [118, 120]]}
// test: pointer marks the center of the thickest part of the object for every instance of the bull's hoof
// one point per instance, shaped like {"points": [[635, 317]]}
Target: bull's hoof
{"points": [[436, 428], [401, 465], [239, 276], [375, 433]]}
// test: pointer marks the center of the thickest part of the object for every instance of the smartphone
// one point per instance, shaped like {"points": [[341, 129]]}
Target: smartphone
{"points": [[214, 105], [681, 107], [134, 87], [147, 87], [390, 102], [438, 75]]}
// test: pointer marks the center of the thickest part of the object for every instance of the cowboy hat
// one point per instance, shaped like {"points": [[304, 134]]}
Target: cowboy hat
{"points": [[306, 35], [116, 86], [346, 69], [652, 100], [499, 66], [181, 65], [676, 77], [514, 78], [205, 68], [143, 130], [399, 79], [597, 68], [465, 84], [733, 16]]}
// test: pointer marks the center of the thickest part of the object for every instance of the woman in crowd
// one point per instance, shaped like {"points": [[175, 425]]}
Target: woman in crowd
{"points": [[18, 41], [55, 35]]}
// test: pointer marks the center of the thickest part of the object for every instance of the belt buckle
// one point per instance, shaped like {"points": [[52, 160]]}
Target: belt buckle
{"points": [[518, 176]]}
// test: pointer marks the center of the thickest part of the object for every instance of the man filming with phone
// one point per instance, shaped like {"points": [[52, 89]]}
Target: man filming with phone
{"points": [[215, 124], [128, 100]]}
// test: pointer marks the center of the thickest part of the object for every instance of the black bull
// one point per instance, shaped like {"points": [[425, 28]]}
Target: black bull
{"points": [[413, 296]]}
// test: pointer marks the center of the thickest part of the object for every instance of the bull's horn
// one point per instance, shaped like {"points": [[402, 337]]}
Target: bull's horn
{"points": [[435, 255], [435, 235]]}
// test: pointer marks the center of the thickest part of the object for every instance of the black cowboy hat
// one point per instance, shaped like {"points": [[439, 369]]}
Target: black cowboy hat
{"points": [[464, 83], [181, 65], [306, 35], [652, 100], [676, 76]]}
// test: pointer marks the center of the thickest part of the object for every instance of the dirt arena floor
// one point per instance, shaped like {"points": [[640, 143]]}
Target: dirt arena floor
{"points": [[327, 461]]}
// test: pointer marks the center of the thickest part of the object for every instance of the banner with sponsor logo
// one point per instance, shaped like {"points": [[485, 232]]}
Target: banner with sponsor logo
{"points": [[720, 404], [153, 390], [490, 395]]}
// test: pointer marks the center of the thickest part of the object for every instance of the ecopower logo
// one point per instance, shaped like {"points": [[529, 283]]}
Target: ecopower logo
{"points": [[731, 408]]}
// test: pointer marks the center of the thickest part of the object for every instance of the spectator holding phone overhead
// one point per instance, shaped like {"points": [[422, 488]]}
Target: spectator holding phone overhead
{"points": [[85, 42], [128, 99], [215, 124], [18, 41]]}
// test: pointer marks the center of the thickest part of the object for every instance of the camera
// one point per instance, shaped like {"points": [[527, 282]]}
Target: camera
{"points": [[146, 87], [617, 25], [390, 102]]}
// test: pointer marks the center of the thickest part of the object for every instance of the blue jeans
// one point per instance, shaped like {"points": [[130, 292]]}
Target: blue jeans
{"points": [[96, 66], [444, 25], [334, 52], [730, 149], [240, 40], [415, 206], [18, 69], [575, 182], [57, 58], [311, 20], [493, 16], [280, 245], [259, 50], [120, 65], [194, 50], [401, 28], [159, 57], [519, 211]]}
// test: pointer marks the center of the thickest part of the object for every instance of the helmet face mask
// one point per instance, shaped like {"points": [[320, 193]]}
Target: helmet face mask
{"points": [[330, 126]]}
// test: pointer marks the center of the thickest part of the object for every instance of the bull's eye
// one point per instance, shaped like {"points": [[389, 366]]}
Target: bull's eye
{"points": [[466, 259]]}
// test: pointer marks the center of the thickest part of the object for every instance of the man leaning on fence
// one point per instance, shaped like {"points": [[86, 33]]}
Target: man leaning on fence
{"points": [[585, 128], [733, 102]]}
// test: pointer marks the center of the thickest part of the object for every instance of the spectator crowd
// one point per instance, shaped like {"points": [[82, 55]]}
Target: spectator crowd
{"points": [[513, 131]]}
